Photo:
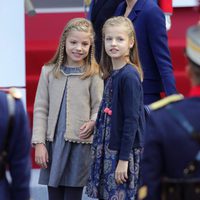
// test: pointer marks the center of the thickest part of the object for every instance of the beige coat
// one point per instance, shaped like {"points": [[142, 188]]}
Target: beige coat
{"points": [[83, 99]]}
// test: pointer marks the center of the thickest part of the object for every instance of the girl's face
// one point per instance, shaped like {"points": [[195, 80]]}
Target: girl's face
{"points": [[117, 42], [77, 47]]}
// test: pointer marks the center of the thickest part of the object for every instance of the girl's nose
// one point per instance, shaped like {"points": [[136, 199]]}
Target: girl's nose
{"points": [[79, 47], [113, 42]]}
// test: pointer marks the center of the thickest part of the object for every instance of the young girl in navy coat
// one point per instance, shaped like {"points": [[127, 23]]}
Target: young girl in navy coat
{"points": [[117, 144]]}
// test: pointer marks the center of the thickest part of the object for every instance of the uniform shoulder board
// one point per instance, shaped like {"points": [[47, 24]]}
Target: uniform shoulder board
{"points": [[15, 93], [165, 101], [87, 2]]}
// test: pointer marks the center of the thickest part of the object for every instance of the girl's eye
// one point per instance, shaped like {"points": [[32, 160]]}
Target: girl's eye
{"points": [[120, 39], [108, 38], [85, 44], [73, 42]]}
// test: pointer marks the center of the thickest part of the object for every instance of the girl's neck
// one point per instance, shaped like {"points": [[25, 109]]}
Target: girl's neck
{"points": [[118, 64], [74, 65]]}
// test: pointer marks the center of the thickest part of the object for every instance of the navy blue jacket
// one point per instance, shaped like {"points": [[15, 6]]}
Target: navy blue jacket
{"points": [[127, 120], [149, 23], [18, 152], [100, 12], [168, 147]]}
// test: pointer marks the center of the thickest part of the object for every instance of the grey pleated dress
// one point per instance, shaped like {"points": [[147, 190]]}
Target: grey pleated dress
{"points": [[69, 162]]}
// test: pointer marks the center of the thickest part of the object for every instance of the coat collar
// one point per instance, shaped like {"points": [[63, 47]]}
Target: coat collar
{"points": [[136, 9], [72, 71], [139, 5]]}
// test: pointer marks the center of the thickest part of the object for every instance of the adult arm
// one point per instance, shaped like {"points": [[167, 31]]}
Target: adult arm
{"points": [[152, 160], [19, 155], [156, 31]]}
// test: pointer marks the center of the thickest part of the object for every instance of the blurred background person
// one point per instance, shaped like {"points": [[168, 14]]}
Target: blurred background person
{"points": [[149, 22], [14, 148], [99, 12], [171, 150]]}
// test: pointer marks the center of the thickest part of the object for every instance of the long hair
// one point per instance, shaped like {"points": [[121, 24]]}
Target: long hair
{"points": [[60, 57], [133, 57]]}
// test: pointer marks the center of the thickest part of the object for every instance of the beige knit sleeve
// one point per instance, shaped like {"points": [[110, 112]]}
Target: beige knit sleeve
{"points": [[96, 92], [41, 109]]}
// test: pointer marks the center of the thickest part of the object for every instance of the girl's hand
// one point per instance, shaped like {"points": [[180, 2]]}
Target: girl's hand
{"points": [[86, 129], [121, 172], [41, 155]]}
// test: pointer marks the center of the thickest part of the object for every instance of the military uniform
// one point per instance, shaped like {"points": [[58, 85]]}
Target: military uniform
{"points": [[18, 148], [170, 148]]}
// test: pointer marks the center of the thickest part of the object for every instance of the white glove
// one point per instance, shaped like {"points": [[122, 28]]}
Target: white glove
{"points": [[168, 21]]}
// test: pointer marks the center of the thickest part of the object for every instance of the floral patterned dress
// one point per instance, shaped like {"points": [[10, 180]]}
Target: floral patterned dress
{"points": [[101, 182]]}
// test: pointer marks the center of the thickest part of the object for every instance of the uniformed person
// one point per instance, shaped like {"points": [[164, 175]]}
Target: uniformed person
{"points": [[14, 148], [171, 159]]}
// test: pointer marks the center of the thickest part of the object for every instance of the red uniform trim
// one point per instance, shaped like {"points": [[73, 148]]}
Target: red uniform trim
{"points": [[166, 6], [195, 91]]}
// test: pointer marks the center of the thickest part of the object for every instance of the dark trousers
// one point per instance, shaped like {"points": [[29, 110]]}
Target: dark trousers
{"points": [[65, 193]]}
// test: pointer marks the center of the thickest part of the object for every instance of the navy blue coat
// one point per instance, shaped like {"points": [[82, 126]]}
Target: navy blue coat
{"points": [[127, 120], [149, 23], [100, 12], [18, 152], [168, 147]]}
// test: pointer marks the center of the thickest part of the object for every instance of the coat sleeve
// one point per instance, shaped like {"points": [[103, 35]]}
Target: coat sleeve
{"points": [[156, 31], [41, 109], [96, 92], [19, 155], [131, 101], [152, 160]]}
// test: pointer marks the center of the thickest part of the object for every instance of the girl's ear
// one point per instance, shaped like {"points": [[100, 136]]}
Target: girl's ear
{"points": [[131, 43]]}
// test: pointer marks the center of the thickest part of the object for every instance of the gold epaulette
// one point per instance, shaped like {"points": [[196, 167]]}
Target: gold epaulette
{"points": [[165, 101], [87, 2], [15, 93], [142, 193]]}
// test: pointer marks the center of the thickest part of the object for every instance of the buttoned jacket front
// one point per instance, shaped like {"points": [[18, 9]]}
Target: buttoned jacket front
{"points": [[83, 99], [127, 120]]}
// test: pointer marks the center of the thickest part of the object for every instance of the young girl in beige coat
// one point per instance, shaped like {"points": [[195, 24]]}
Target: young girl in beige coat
{"points": [[66, 105]]}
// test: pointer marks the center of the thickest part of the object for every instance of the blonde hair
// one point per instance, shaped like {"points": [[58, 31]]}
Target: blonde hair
{"points": [[132, 58], [60, 57]]}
